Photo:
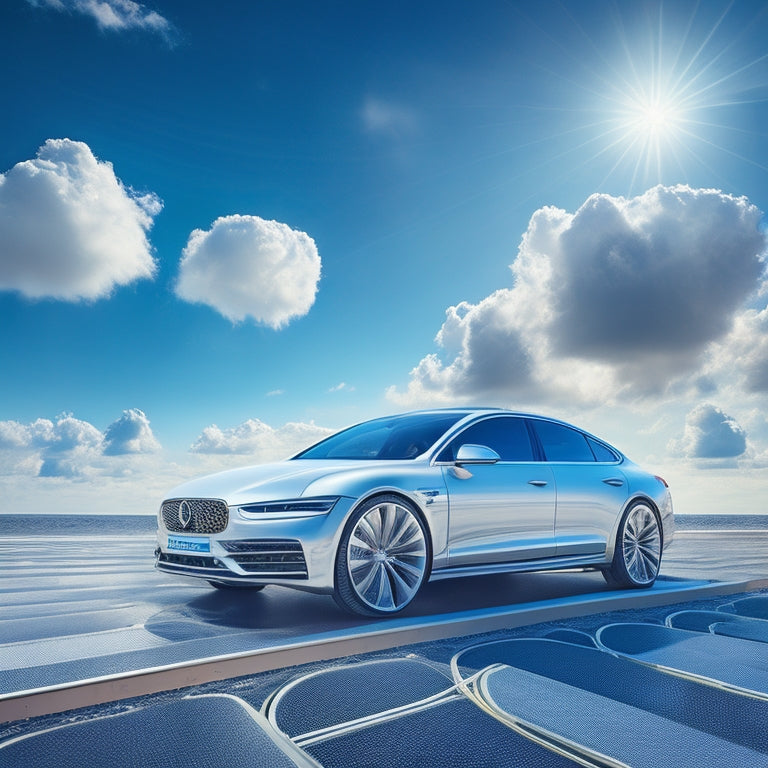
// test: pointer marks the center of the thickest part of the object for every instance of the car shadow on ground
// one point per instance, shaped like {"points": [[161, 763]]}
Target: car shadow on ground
{"points": [[287, 612]]}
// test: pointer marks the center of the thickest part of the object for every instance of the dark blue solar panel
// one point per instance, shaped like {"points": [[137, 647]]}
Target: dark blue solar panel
{"points": [[205, 733], [727, 715]]}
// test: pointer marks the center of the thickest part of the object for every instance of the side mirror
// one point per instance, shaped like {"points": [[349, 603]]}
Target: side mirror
{"points": [[476, 454]]}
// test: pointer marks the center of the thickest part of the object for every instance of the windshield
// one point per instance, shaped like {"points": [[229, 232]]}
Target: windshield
{"points": [[396, 437]]}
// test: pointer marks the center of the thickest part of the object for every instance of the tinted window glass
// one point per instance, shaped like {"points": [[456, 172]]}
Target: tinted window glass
{"points": [[602, 452], [561, 443], [507, 436], [399, 437]]}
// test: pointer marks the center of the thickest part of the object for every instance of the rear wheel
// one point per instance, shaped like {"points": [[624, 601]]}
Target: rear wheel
{"points": [[637, 557], [383, 558]]}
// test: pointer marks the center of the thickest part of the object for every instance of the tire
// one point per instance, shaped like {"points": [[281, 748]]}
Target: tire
{"points": [[637, 556], [383, 558], [228, 585]]}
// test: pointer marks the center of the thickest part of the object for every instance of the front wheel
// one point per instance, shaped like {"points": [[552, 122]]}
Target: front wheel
{"points": [[383, 558], [637, 557]]}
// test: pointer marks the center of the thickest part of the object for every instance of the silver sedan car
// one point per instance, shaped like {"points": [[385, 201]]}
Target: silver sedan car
{"points": [[373, 512]]}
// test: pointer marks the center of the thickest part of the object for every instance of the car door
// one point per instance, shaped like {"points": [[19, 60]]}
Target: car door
{"points": [[591, 489], [503, 511]]}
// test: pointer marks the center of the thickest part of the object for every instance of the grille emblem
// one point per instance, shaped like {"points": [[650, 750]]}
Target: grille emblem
{"points": [[185, 514]]}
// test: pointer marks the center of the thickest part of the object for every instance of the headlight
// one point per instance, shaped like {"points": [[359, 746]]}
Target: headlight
{"points": [[321, 505]]}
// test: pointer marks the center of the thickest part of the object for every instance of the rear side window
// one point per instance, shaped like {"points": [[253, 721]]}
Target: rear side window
{"points": [[602, 452], [561, 443], [506, 435]]}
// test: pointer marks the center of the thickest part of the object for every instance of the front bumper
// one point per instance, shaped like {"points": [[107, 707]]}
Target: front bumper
{"points": [[294, 551], [268, 558]]}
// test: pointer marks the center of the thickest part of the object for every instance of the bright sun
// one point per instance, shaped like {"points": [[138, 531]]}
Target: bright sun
{"points": [[649, 126], [664, 105], [656, 119]]}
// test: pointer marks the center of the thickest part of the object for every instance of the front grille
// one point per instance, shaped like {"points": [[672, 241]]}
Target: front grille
{"points": [[206, 515], [278, 557]]}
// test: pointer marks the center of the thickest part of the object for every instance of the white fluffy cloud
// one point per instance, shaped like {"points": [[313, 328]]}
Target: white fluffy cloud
{"points": [[663, 273], [258, 440], [710, 434], [62, 448], [69, 229], [619, 299], [72, 448], [115, 15], [245, 267], [130, 434], [742, 356]]}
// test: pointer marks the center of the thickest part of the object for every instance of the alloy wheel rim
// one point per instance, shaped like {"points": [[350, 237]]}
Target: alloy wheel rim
{"points": [[642, 545], [387, 557]]}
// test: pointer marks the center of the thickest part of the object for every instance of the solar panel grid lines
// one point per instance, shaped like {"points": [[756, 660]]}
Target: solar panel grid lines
{"points": [[348, 706], [549, 702]]}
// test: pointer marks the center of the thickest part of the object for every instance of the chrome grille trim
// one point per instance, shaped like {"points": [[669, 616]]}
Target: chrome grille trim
{"points": [[207, 515], [189, 561], [251, 546], [269, 557]]}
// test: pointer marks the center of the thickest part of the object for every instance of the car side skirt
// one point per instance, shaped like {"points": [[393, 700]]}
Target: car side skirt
{"points": [[525, 566]]}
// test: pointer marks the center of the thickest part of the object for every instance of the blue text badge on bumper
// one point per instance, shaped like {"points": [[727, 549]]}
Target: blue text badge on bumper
{"points": [[188, 544]]}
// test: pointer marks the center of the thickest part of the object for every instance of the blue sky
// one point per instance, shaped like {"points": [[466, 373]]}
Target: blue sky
{"points": [[226, 229]]}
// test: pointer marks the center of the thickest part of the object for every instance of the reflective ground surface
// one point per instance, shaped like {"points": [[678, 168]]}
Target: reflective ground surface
{"points": [[78, 605]]}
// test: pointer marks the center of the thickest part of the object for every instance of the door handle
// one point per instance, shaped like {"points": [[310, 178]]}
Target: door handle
{"points": [[614, 481], [537, 483]]}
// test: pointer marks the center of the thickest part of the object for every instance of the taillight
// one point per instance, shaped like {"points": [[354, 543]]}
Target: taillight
{"points": [[662, 481]]}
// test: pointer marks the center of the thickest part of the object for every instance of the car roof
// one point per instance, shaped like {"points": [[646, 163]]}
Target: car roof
{"points": [[477, 410]]}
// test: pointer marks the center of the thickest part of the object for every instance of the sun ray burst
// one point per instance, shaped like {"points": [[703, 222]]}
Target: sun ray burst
{"points": [[667, 102]]}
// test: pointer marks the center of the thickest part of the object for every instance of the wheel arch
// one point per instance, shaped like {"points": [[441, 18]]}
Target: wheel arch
{"points": [[610, 547], [400, 494]]}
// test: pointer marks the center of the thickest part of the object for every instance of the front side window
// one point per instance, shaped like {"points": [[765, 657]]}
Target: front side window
{"points": [[561, 443], [506, 435]]}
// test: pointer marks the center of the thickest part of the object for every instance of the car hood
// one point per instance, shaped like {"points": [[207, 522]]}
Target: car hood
{"points": [[272, 482]]}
